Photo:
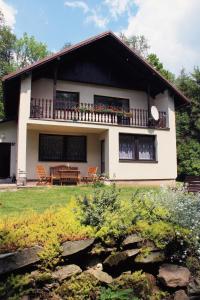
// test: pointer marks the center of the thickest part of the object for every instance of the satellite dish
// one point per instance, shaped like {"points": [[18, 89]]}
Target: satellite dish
{"points": [[154, 113]]}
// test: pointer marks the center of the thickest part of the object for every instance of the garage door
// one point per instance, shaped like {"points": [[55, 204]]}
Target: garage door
{"points": [[5, 160]]}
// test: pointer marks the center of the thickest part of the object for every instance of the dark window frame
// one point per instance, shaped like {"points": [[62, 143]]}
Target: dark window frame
{"points": [[136, 148], [110, 97], [63, 159], [69, 92]]}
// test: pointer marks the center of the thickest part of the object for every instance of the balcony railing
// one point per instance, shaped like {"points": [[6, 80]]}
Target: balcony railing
{"points": [[46, 109]]}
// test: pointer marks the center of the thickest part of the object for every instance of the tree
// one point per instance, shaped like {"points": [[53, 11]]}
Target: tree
{"points": [[7, 45], [66, 45], [28, 50], [188, 125], [137, 43], [157, 64]]}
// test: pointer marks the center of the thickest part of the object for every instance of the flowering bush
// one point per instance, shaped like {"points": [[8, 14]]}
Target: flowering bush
{"points": [[184, 211]]}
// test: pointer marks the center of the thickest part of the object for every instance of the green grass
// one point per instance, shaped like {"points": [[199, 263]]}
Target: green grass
{"points": [[39, 199]]}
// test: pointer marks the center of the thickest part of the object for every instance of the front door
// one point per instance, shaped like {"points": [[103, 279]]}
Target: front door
{"points": [[102, 156], [5, 160]]}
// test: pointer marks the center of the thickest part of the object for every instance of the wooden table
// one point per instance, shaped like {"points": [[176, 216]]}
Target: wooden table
{"points": [[69, 176]]}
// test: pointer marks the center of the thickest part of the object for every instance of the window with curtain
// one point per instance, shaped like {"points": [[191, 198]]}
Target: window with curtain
{"points": [[136, 147], [62, 148]]}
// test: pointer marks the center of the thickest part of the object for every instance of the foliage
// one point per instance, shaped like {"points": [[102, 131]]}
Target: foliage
{"points": [[7, 45], [94, 210], [109, 294], [137, 43], [82, 287], [136, 281], [15, 287], [156, 63], [15, 53], [189, 157], [28, 50], [188, 125], [184, 211], [48, 229], [114, 218], [193, 264], [66, 45]]}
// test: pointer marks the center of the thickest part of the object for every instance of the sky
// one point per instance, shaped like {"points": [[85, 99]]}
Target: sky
{"points": [[172, 27]]}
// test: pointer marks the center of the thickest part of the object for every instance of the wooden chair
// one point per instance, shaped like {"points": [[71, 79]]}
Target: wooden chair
{"points": [[92, 175], [42, 176]]}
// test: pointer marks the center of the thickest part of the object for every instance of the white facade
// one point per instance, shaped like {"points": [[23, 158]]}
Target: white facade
{"points": [[25, 134]]}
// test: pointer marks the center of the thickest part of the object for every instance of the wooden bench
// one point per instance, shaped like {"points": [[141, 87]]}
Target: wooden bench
{"points": [[64, 174], [192, 184]]}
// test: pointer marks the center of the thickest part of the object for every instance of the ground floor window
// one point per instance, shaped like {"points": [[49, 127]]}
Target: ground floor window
{"points": [[136, 147], [62, 148]]}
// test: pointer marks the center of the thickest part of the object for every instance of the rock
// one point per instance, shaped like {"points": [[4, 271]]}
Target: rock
{"points": [[174, 276], [114, 260], [16, 260], [73, 247], [181, 295], [98, 249], [194, 288], [66, 272], [132, 239], [152, 257], [132, 252], [148, 244], [100, 275], [151, 280], [26, 297]]}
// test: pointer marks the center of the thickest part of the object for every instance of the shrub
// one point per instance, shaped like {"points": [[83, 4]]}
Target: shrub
{"points": [[109, 294], [82, 287], [48, 230], [184, 211], [103, 201], [15, 287], [136, 281]]}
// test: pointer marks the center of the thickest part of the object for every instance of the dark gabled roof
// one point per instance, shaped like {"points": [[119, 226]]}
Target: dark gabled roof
{"points": [[182, 98]]}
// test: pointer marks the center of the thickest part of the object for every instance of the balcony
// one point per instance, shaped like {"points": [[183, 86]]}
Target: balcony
{"points": [[46, 109]]}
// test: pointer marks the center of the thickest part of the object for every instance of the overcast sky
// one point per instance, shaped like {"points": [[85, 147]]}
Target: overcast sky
{"points": [[172, 27]]}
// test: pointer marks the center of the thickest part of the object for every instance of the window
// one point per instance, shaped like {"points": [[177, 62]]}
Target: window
{"points": [[120, 103], [136, 147], [62, 148], [66, 100]]}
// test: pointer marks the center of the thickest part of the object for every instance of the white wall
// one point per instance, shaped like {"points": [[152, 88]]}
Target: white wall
{"points": [[43, 88], [9, 129], [24, 114], [166, 165], [93, 153], [164, 168]]}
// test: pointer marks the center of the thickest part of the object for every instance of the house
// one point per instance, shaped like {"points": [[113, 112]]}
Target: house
{"points": [[97, 103]]}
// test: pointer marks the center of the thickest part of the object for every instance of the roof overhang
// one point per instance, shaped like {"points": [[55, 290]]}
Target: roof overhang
{"points": [[112, 41]]}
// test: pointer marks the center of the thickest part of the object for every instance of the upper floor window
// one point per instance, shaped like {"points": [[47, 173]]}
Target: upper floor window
{"points": [[136, 147], [115, 104], [119, 103], [66, 100], [62, 148]]}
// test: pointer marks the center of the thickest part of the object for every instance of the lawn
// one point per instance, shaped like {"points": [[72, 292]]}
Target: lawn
{"points": [[39, 199]]}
